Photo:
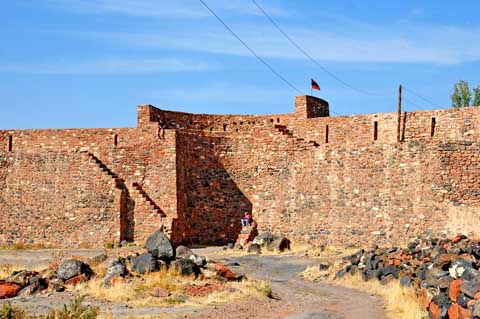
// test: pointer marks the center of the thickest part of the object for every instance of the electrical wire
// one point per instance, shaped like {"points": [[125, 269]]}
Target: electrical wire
{"points": [[304, 52], [251, 50], [421, 97]]}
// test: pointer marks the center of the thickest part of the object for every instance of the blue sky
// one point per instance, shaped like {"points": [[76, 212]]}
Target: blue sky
{"points": [[88, 63]]}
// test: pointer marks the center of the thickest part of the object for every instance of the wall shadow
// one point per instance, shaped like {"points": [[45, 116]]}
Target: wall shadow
{"points": [[210, 204]]}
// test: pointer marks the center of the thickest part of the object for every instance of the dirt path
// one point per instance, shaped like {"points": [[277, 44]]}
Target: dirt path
{"points": [[294, 297]]}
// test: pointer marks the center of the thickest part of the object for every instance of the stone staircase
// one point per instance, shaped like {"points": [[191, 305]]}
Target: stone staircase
{"points": [[247, 234], [119, 183], [289, 134], [145, 208], [139, 193]]}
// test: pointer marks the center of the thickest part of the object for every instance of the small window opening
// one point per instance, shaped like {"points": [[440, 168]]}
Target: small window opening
{"points": [[271, 120], [191, 122], [375, 130], [211, 129], [236, 130], [224, 127], [253, 122], [241, 123], [432, 130], [326, 134], [10, 143], [278, 120], [115, 139]]}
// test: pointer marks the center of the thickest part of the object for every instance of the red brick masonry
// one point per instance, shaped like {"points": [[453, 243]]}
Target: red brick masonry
{"points": [[329, 180]]}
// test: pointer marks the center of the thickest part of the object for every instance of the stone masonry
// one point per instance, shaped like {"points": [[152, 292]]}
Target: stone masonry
{"points": [[341, 180]]}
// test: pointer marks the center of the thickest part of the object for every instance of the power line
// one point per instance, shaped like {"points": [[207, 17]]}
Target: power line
{"points": [[413, 103], [251, 50], [295, 44], [421, 97]]}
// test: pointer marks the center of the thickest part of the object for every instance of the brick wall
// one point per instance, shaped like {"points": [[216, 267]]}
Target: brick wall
{"points": [[335, 180]]}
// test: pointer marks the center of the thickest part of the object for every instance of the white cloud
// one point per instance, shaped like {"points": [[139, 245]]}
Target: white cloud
{"points": [[104, 66], [407, 44]]}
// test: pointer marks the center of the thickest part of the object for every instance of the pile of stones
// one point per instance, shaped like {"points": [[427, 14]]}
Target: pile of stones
{"points": [[159, 253], [250, 240], [444, 271], [25, 283]]}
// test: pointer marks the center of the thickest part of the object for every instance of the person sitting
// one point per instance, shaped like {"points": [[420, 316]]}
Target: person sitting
{"points": [[247, 219]]}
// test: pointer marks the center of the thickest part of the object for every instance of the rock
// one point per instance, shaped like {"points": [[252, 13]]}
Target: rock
{"points": [[200, 261], [458, 267], [323, 266], [56, 284], [406, 281], [226, 273], [159, 246], [21, 278], [183, 252], [118, 268], [71, 268], [454, 290], [159, 292], [457, 312], [230, 245], [185, 266], [476, 310], [254, 248], [8, 289], [263, 239], [76, 280], [280, 244], [463, 300], [470, 288], [470, 274], [145, 263]]}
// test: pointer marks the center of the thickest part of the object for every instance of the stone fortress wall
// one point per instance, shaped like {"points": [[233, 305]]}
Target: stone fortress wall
{"points": [[342, 180]]}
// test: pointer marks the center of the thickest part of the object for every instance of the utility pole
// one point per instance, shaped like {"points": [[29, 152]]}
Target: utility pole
{"points": [[399, 112]]}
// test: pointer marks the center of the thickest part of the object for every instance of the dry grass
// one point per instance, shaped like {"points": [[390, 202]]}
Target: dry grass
{"points": [[401, 302], [137, 291], [23, 246], [246, 289]]}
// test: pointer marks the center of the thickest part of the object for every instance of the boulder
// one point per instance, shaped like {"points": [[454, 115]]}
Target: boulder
{"points": [[200, 261], [470, 288], [272, 241], [225, 272], [76, 280], [145, 263], [118, 268], [185, 266], [183, 252], [8, 289], [21, 278], [158, 292], [159, 246], [254, 248], [71, 268], [280, 243]]}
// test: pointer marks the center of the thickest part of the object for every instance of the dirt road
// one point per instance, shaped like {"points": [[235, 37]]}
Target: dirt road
{"points": [[294, 298]]}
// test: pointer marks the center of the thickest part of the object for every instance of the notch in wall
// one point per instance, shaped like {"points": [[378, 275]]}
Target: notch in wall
{"points": [[375, 131], [326, 134], [10, 143], [115, 140], [432, 127]]}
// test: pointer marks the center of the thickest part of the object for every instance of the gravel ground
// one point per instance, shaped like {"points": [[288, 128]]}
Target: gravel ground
{"points": [[294, 298]]}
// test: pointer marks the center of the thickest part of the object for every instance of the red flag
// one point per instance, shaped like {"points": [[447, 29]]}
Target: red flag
{"points": [[315, 85]]}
